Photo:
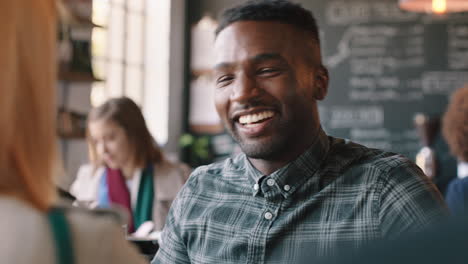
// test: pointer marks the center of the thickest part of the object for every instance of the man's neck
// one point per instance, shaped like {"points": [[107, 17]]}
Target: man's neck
{"points": [[288, 153], [268, 166]]}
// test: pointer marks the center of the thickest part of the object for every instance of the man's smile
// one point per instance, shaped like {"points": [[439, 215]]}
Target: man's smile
{"points": [[251, 119], [254, 123]]}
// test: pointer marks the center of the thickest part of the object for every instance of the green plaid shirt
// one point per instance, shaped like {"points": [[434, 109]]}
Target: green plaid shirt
{"points": [[337, 193]]}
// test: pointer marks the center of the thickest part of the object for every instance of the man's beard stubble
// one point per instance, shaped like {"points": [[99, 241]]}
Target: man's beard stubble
{"points": [[268, 150]]}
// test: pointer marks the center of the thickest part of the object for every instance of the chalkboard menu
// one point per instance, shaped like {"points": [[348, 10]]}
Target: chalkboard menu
{"points": [[385, 66]]}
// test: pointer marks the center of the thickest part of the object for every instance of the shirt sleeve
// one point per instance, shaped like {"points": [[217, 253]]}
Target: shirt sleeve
{"points": [[172, 248], [86, 184], [79, 182], [409, 201]]}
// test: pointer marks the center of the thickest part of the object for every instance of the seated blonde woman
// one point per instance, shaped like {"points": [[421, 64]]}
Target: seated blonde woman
{"points": [[32, 229], [128, 168]]}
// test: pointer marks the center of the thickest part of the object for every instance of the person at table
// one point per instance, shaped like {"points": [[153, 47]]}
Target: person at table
{"points": [[33, 227], [455, 131], [293, 189], [128, 168]]}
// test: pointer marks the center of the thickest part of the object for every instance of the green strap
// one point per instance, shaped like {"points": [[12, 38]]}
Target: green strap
{"points": [[144, 206], [62, 236]]}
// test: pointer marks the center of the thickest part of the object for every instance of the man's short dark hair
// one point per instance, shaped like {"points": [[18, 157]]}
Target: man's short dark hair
{"points": [[274, 10]]}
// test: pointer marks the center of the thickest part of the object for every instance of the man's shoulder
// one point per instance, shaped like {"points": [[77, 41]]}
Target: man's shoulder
{"points": [[358, 162], [387, 161], [359, 155], [229, 171], [222, 168]]}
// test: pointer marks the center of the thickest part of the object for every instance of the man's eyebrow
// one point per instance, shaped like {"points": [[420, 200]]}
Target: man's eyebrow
{"points": [[267, 56], [222, 65], [256, 59]]}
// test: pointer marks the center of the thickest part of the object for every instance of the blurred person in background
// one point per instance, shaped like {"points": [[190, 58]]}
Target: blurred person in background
{"points": [[128, 168], [32, 228], [455, 131]]}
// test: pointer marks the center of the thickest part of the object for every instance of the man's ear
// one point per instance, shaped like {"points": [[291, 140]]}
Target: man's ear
{"points": [[321, 82]]}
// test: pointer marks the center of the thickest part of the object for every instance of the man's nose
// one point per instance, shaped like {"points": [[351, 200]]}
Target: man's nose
{"points": [[244, 88]]}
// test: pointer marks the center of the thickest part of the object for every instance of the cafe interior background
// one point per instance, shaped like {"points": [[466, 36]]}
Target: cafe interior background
{"points": [[393, 65]]}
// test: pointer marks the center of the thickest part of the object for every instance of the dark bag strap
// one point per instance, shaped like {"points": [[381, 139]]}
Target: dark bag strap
{"points": [[62, 236]]}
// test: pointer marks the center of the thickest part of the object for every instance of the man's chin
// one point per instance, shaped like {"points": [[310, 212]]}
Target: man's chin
{"points": [[259, 150]]}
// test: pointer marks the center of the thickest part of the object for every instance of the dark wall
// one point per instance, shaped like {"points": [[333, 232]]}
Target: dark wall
{"points": [[198, 8], [385, 66]]}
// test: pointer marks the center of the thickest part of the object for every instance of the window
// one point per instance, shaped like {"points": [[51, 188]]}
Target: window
{"points": [[131, 53]]}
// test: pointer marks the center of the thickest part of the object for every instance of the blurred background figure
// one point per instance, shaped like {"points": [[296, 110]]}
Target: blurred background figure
{"points": [[32, 229], [127, 167], [455, 130]]}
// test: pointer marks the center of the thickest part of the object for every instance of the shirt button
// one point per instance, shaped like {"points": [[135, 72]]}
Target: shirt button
{"points": [[256, 187], [270, 182], [287, 187], [268, 216]]}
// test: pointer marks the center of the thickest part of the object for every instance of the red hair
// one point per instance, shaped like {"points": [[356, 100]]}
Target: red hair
{"points": [[28, 157], [455, 124]]}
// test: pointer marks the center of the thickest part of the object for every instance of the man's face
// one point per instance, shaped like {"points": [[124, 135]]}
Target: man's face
{"points": [[268, 78]]}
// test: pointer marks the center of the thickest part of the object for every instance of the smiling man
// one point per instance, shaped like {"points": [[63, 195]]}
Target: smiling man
{"points": [[294, 190]]}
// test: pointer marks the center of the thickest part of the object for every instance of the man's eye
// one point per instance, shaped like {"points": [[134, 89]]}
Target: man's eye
{"points": [[224, 80], [268, 71]]}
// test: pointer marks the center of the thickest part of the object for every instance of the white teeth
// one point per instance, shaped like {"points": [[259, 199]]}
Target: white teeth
{"points": [[247, 119]]}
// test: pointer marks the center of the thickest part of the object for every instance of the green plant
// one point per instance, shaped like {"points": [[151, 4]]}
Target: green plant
{"points": [[197, 148]]}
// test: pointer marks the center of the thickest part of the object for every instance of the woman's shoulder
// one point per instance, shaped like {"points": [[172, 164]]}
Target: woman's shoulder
{"points": [[95, 223], [89, 170], [100, 234], [97, 216], [88, 173], [85, 185], [172, 169]]}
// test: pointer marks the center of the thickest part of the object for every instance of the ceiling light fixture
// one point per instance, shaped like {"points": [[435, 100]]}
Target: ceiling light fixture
{"points": [[434, 6]]}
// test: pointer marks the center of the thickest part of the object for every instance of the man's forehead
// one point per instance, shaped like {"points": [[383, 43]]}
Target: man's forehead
{"points": [[247, 39], [257, 30], [258, 58]]}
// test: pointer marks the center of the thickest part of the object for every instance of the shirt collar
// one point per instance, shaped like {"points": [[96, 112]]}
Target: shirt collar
{"points": [[288, 178], [462, 169]]}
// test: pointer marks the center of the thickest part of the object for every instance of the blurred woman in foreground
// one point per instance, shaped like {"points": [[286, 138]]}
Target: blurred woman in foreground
{"points": [[128, 168], [32, 230]]}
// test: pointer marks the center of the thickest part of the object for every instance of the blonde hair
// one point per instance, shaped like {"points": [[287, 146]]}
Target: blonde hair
{"points": [[126, 114], [27, 101]]}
